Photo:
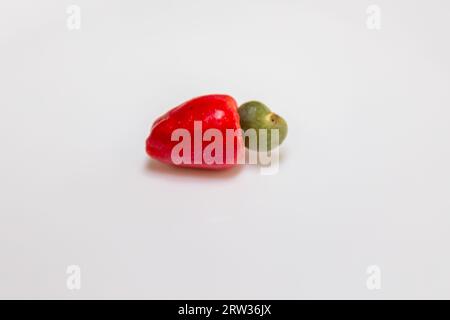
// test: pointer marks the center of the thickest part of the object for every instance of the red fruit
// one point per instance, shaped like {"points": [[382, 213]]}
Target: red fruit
{"points": [[208, 112]]}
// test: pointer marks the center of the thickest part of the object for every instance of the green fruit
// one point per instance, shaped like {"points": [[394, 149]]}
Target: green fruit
{"points": [[256, 115]]}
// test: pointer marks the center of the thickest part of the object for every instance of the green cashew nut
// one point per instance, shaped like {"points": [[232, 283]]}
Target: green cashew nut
{"points": [[256, 115]]}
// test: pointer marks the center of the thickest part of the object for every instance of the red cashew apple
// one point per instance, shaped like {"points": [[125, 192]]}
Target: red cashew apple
{"points": [[212, 112], [206, 133]]}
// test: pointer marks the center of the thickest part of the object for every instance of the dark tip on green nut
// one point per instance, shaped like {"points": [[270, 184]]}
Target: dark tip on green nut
{"points": [[256, 115]]}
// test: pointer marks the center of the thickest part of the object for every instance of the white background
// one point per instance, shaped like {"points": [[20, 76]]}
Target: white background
{"points": [[363, 179]]}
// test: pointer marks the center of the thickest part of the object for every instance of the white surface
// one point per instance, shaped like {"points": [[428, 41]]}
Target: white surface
{"points": [[364, 177]]}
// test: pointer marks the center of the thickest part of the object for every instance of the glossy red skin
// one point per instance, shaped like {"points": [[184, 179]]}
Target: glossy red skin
{"points": [[214, 111]]}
